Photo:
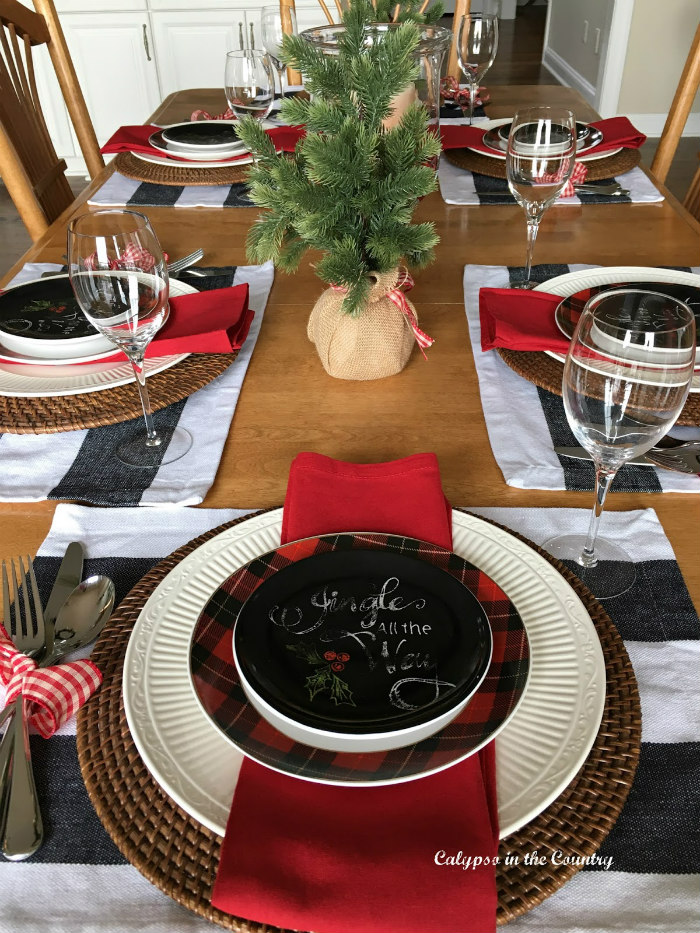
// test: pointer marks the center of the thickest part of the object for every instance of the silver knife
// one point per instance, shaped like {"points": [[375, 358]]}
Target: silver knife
{"points": [[18, 800], [580, 453]]}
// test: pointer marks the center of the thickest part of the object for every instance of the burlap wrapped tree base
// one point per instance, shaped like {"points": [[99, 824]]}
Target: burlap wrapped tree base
{"points": [[375, 344]]}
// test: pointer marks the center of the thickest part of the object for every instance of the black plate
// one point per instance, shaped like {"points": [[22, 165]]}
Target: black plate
{"points": [[569, 310], [362, 642], [201, 134], [44, 310]]}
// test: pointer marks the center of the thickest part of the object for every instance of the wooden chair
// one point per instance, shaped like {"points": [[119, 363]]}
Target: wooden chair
{"points": [[31, 170], [462, 7], [678, 114]]}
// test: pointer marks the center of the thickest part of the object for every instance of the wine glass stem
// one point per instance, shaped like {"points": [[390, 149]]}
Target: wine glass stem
{"points": [[152, 437], [533, 225], [473, 91], [603, 480]]}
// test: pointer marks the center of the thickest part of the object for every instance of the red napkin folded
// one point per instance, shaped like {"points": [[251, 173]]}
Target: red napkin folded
{"points": [[136, 139], [519, 319], [617, 132], [216, 321], [339, 859]]}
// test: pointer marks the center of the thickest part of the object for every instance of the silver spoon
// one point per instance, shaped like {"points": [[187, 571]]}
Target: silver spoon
{"points": [[80, 620]]}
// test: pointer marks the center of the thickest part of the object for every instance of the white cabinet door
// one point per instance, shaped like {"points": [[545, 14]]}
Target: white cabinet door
{"points": [[114, 57], [191, 47]]}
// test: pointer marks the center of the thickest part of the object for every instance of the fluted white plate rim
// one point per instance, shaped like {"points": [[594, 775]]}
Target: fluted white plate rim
{"points": [[538, 753], [37, 381], [571, 282]]}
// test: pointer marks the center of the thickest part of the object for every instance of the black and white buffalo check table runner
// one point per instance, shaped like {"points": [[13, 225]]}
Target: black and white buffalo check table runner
{"points": [[525, 423], [82, 465], [648, 871]]}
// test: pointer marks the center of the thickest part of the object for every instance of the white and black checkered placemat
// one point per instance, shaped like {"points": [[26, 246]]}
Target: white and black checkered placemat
{"points": [[83, 465], [525, 423], [79, 881]]}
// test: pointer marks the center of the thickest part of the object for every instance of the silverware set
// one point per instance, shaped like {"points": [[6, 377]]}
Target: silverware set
{"points": [[74, 616], [682, 457]]}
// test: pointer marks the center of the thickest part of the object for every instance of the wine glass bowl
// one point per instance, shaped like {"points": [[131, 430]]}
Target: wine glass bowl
{"points": [[249, 83], [272, 36], [120, 280], [626, 379], [540, 160], [477, 44]]}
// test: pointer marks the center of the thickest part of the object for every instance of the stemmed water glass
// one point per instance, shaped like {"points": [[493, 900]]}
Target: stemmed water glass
{"points": [[477, 44], [272, 36], [249, 83], [539, 162], [118, 273], [626, 379]]}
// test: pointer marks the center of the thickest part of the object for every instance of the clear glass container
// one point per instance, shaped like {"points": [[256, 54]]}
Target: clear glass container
{"points": [[434, 42]]}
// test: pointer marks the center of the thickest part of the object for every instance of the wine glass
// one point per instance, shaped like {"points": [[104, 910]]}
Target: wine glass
{"points": [[120, 280], [626, 379], [249, 83], [272, 36], [477, 44], [539, 162]]}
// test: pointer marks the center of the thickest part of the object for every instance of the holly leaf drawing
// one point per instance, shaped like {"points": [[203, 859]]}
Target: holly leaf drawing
{"points": [[340, 692], [319, 681], [307, 653]]}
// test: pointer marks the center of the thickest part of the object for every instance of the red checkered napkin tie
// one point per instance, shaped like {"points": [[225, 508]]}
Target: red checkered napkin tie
{"points": [[56, 693]]}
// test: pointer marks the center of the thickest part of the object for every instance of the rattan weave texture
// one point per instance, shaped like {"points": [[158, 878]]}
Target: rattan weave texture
{"points": [[597, 169], [179, 856], [133, 167], [51, 415], [546, 372]]}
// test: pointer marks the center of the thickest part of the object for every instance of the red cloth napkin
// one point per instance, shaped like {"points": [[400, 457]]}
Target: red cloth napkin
{"points": [[215, 321], [364, 860], [519, 319], [617, 131], [136, 139]]}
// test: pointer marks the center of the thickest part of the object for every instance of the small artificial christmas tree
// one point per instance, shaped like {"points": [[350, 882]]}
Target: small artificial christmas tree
{"points": [[350, 189]]}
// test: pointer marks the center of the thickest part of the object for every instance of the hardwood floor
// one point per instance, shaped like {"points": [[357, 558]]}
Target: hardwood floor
{"points": [[518, 62]]}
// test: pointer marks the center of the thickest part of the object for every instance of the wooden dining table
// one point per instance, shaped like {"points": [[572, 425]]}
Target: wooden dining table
{"points": [[289, 404]]}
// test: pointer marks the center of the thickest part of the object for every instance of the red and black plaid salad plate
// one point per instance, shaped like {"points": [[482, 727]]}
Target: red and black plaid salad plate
{"points": [[218, 688]]}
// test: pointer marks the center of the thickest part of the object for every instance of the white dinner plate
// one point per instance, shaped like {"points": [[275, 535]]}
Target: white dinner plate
{"points": [[57, 379], [221, 154], [539, 751], [162, 160], [571, 282], [492, 154]]}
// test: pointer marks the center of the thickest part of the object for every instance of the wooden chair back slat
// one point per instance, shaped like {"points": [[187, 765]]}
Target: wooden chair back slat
{"points": [[678, 114], [32, 172], [462, 7], [287, 7], [692, 198]]}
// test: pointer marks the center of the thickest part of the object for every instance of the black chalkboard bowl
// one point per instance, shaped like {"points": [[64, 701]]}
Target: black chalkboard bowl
{"points": [[42, 319], [362, 650]]}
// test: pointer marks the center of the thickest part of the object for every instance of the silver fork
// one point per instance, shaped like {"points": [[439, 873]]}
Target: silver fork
{"points": [[180, 264], [685, 458], [23, 830]]}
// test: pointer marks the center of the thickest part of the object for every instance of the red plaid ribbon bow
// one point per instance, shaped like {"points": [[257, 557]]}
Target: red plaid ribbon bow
{"points": [[450, 90], [228, 114], [395, 294], [57, 693], [133, 257], [577, 176]]}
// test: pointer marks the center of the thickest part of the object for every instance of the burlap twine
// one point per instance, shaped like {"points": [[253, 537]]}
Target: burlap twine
{"points": [[375, 344]]}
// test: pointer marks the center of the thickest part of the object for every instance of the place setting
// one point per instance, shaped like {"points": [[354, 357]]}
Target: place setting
{"points": [[83, 373]]}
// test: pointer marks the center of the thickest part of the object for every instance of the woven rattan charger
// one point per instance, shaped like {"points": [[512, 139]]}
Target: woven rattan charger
{"points": [[130, 165], [179, 856], [51, 415], [546, 372], [598, 169]]}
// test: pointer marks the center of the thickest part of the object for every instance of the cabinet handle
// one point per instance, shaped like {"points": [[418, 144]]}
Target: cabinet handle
{"points": [[241, 41], [145, 43], [252, 36]]}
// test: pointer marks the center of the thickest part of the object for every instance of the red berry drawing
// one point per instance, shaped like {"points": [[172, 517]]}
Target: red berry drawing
{"points": [[329, 655], [343, 656], [337, 666]]}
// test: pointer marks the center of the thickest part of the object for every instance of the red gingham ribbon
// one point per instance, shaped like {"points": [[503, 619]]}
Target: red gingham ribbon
{"points": [[228, 114], [577, 176], [395, 294], [57, 693], [450, 90], [135, 256]]}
